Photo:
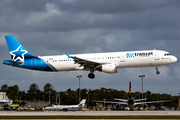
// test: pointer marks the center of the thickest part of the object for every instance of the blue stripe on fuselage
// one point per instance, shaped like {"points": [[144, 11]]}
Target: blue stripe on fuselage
{"points": [[33, 63]]}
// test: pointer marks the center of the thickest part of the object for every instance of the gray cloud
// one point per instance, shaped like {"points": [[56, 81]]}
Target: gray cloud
{"points": [[78, 26], [39, 17], [114, 6]]}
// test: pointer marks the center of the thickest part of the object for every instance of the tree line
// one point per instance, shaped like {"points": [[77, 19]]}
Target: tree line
{"points": [[70, 97]]}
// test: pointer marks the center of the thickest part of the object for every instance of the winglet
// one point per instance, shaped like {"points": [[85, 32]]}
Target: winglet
{"points": [[69, 56]]}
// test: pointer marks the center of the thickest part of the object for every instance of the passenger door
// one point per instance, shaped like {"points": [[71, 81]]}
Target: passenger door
{"points": [[156, 55], [122, 58]]}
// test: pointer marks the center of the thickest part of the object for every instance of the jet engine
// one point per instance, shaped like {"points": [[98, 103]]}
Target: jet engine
{"points": [[108, 68], [145, 106], [117, 106]]}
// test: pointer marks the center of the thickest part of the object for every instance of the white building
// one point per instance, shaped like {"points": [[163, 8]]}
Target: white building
{"points": [[4, 99]]}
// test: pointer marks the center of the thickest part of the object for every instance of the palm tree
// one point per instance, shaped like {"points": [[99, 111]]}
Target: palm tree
{"points": [[48, 87], [13, 92], [4, 88], [33, 89]]}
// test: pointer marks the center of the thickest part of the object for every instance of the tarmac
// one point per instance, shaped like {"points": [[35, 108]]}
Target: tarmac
{"points": [[90, 113], [86, 115]]}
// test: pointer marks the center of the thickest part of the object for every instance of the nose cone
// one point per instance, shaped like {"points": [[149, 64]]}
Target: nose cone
{"points": [[174, 59]]}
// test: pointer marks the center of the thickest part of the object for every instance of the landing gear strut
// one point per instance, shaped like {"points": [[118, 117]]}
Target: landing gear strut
{"points": [[157, 71], [91, 74]]}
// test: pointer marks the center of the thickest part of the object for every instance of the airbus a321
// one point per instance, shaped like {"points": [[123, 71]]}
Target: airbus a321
{"points": [[105, 62], [67, 107]]}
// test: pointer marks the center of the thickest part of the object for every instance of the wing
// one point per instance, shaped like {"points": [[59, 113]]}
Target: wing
{"points": [[151, 102], [86, 63], [112, 102], [140, 99], [124, 100]]}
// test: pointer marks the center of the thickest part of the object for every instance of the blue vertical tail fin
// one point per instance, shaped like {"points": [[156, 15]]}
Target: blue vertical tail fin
{"points": [[17, 51]]}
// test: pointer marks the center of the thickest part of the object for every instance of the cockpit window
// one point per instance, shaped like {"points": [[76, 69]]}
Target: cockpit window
{"points": [[167, 54]]}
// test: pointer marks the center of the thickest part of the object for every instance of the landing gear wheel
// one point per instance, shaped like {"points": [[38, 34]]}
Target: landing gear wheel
{"points": [[157, 72], [91, 75]]}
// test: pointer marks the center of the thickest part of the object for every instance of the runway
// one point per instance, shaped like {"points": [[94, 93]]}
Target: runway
{"points": [[108, 115], [90, 113]]}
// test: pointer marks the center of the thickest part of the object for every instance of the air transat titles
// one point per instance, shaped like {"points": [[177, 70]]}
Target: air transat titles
{"points": [[139, 54]]}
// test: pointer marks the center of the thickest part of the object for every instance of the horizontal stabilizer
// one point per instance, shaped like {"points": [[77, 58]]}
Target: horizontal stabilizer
{"points": [[13, 62]]}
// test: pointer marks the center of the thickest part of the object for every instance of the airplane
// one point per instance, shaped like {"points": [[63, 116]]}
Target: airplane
{"points": [[67, 107], [105, 62], [131, 102]]}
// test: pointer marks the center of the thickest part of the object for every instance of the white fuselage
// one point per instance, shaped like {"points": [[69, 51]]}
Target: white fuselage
{"points": [[63, 107], [67, 107], [120, 59]]}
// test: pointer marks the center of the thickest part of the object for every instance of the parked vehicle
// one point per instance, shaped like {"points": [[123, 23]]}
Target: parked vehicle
{"points": [[20, 109], [28, 108], [10, 107], [163, 108]]}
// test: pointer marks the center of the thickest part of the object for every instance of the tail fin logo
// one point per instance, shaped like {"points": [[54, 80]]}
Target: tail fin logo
{"points": [[18, 54]]}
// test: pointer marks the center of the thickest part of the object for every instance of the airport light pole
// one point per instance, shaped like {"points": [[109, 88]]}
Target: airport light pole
{"points": [[79, 76], [179, 101], [49, 97], [142, 76], [87, 96], [56, 97], [59, 98], [104, 103], [87, 99]]}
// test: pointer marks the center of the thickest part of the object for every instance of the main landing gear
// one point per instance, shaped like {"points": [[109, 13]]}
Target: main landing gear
{"points": [[91, 74], [157, 71]]}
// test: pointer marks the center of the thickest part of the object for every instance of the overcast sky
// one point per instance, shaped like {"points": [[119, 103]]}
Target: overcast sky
{"points": [[54, 27]]}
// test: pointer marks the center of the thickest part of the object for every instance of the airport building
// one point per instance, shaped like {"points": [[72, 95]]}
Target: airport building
{"points": [[4, 99], [36, 104]]}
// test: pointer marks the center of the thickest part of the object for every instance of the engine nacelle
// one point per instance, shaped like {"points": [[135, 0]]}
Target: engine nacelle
{"points": [[145, 106], [117, 106], [108, 68]]}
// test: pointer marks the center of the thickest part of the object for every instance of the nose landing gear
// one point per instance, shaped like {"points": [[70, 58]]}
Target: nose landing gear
{"points": [[157, 71]]}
